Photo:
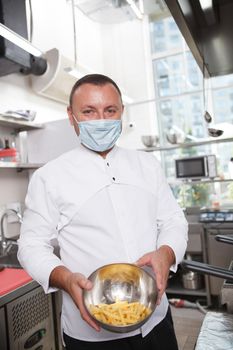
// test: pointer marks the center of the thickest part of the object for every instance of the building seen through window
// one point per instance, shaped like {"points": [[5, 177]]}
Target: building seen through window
{"points": [[178, 86]]}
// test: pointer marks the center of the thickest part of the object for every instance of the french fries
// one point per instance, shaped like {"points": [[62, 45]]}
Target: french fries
{"points": [[120, 313]]}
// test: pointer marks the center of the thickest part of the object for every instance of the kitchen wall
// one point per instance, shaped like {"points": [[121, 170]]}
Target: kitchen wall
{"points": [[119, 50]]}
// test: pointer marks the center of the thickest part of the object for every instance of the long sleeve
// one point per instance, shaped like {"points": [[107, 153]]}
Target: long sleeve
{"points": [[171, 222], [38, 228]]}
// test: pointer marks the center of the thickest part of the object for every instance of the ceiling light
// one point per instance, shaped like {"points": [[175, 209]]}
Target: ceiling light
{"points": [[135, 9], [74, 72], [19, 41], [141, 6]]}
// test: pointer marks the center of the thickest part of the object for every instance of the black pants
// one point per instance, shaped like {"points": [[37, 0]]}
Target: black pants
{"points": [[162, 337]]}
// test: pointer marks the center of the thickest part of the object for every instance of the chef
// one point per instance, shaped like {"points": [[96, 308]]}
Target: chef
{"points": [[104, 204]]}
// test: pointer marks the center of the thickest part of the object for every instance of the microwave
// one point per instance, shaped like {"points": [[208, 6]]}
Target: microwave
{"points": [[196, 167]]}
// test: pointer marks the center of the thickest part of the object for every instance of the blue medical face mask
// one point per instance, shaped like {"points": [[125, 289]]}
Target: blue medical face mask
{"points": [[100, 134]]}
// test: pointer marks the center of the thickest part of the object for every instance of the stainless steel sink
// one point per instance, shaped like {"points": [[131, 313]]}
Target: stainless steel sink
{"points": [[9, 259]]}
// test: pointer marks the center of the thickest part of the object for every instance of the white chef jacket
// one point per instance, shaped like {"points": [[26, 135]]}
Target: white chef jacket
{"points": [[101, 211]]}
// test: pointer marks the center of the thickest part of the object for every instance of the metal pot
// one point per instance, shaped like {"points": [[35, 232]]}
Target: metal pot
{"points": [[208, 269], [192, 280]]}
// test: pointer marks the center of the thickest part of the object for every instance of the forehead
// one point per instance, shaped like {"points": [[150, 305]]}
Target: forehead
{"points": [[91, 93]]}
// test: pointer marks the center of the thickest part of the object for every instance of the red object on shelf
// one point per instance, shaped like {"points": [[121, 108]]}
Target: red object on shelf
{"points": [[8, 152], [10, 279]]}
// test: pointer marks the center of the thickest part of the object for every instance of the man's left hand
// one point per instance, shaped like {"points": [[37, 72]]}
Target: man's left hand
{"points": [[160, 260]]}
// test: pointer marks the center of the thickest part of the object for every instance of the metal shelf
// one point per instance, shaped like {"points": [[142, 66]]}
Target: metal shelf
{"points": [[19, 125], [188, 144], [177, 288], [19, 166], [195, 182]]}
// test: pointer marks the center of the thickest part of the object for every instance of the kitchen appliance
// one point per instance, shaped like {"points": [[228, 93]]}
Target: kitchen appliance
{"points": [[217, 224], [3, 336], [214, 216], [226, 290], [203, 24], [13, 59], [30, 322], [196, 167]]}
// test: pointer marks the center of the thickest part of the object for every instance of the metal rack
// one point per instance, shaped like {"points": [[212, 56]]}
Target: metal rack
{"points": [[188, 144], [18, 126]]}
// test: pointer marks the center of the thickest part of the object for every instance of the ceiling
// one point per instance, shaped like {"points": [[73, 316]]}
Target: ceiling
{"points": [[117, 11]]}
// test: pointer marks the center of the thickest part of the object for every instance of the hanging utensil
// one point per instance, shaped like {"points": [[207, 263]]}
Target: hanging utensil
{"points": [[208, 118], [214, 132]]}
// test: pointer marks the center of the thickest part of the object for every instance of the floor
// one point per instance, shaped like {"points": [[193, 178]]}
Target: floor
{"points": [[187, 324]]}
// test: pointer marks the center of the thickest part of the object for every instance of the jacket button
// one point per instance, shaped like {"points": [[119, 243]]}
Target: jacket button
{"points": [[113, 178]]}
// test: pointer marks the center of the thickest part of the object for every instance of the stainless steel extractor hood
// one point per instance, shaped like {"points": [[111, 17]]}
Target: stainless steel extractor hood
{"points": [[14, 59], [207, 27]]}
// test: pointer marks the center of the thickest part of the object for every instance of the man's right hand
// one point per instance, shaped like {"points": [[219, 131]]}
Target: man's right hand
{"points": [[73, 284]]}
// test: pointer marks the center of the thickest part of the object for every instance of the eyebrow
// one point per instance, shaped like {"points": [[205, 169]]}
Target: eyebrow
{"points": [[109, 106], [88, 106]]}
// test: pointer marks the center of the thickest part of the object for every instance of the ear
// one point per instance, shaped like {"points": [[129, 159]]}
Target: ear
{"points": [[70, 115]]}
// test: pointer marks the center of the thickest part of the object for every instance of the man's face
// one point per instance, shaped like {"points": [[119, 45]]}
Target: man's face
{"points": [[91, 102]]}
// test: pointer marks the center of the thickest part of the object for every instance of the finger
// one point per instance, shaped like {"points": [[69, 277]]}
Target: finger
{"points": [[144, 260], [78, 299], [160, 295], [87, 318], [83, 282], [159, 280]]}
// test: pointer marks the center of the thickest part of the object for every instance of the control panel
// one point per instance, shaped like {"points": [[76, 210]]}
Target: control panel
{"points": [[216, 216]]}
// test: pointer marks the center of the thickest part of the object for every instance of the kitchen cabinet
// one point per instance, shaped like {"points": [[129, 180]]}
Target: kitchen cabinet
{"points": [[203, 247], [30, 321], [26, 319], [196, 250], [218, 253], [3, 335]]}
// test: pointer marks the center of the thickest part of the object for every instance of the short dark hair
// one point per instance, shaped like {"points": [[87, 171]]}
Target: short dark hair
{"points": [[95, 79]]}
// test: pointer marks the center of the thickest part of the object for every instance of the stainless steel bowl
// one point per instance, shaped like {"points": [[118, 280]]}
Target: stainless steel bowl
{"points": [[121, 282], [150, 140]]}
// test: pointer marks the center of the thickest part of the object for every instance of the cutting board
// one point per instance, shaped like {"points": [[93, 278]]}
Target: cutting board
{"points": [[10, 279]]}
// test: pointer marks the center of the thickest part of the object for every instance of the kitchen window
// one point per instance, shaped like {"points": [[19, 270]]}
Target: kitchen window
{"points": [[179, 101]]}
